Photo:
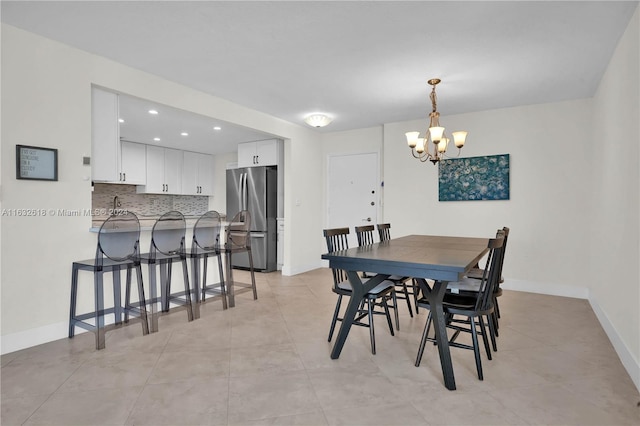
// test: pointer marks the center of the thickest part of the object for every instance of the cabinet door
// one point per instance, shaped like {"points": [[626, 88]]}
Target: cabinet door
{"points": [[247, 154], [267, 153], [133, 161], [205, 174], [173, 171], [190, 173], [155, 170], [105, 136]]}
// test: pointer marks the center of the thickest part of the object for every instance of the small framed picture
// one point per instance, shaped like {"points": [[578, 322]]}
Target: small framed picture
{"points": [[36, 163]]}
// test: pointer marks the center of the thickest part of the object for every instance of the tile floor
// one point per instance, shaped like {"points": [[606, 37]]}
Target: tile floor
{"points": [[266, 362]]}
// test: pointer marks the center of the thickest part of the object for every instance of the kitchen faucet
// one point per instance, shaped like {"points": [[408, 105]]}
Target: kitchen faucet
{"points": [[116, 203]]}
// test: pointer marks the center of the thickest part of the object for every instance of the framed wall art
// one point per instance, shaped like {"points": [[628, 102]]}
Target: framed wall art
{"points": [[474, 178]]}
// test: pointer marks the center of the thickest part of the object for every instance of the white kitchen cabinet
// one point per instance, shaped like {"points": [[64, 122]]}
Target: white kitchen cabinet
{"points": [[113, 161], [163, 171], [133, 162], [259, 153], [105, 136], [197, 174]]}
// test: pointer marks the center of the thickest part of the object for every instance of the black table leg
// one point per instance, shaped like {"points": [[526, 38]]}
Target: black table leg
{"points": [[435, 297]]}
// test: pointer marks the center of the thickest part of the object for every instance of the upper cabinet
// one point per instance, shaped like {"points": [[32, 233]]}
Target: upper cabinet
{"points": [[197, 174], [113, 161], [163, 171], [260, 153]]}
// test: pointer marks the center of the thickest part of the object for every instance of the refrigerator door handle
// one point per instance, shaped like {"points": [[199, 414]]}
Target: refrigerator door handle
{"points": [[244, 191]]}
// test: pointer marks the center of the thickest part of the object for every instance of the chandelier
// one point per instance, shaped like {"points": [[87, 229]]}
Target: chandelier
{"points": [[420, 147]]}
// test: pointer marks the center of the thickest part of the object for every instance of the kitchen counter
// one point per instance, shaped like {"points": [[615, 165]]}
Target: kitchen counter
{"points": [[146, 222]]}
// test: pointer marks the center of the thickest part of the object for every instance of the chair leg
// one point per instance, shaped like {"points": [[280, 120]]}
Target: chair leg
{"points": [[117, 290], [253, 277], [223, 287], [476, 349], [394, 298], [405, 290], [142, 300], [423, 341], [74, 297], [193, 311], [485, 340], [127, 295], [335, 317], [99, 307], [492, 332], [372, 333], [385, 306]]}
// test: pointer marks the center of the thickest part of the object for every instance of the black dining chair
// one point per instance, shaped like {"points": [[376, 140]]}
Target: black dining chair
{"points": [[405, 286], [463, 311], [364, 234], [380, 295], [470, 285], [117, 249]]}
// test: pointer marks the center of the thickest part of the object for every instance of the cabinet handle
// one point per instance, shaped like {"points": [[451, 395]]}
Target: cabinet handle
{"points": [[124, 177]]}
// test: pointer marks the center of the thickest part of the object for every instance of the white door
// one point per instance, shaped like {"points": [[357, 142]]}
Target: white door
{"points": [[352, 192]]}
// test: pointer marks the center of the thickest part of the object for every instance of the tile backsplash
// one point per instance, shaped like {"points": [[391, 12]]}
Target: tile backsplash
{"points": [[146, 204]]}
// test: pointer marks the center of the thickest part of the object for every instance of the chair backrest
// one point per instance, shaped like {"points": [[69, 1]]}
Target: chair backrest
{"points": [[206, 232], [492, 272], [337, 240], [365, 235], [168, 233], [238, 237], [118, 238], [383, 231]]}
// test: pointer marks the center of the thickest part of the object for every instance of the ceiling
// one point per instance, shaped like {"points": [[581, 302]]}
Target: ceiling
{"points": [[363, 62]]}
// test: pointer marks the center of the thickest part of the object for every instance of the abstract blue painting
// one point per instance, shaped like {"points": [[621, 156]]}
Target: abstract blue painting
{"points": [[474, 178]]}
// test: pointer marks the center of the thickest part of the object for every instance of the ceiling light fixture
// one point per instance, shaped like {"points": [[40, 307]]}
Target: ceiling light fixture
{"points": [[184, 134], [217, 128], [156, 139], [120, 120], [153, 112], [420, 146], [318, 120]]}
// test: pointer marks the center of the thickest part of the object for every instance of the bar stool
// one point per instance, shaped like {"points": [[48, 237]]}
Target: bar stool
{"points": [[206, 244], [117, 248], [167, 247], [238, 240]]}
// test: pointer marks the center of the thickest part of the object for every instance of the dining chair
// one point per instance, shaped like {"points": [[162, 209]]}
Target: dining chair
{"points": [[471, 284], [364, 234], [238, 241], [403, 290], [167, 247], [117, 248], [205, 245], [470, 308], [336, 239]]}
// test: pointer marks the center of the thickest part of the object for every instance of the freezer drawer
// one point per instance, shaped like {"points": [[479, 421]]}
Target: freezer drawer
{"points": [[263, 251]]}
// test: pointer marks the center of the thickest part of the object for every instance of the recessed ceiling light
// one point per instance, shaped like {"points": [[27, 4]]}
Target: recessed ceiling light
{"points": [[217, 128], [184, 134], [120, 120], [156, 139], [153, 112]]}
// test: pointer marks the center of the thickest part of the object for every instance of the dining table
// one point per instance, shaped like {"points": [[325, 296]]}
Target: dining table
{"points": [[439, 259]]}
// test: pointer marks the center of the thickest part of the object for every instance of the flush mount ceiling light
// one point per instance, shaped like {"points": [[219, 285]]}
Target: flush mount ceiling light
{"points": [[420, 147], [153, 112], [318, 120]]}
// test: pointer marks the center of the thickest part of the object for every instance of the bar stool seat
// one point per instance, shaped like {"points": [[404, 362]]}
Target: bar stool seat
{"points": [[117, 249]]}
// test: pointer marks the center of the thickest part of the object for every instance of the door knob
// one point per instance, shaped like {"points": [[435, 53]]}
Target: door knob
{"points": [[367, 219]]}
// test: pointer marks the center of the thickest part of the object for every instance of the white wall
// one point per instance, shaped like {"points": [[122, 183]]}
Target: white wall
{"points": [[615, 246], [549, 191], [46, 102]]}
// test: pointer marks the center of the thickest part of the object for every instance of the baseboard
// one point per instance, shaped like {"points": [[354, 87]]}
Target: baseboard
{"points": [[288, 271], [546, 288], [630, 363], [34, 337]]}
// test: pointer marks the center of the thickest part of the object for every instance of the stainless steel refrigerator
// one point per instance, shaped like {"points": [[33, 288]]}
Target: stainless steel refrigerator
{"points": [[255, 189]]}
